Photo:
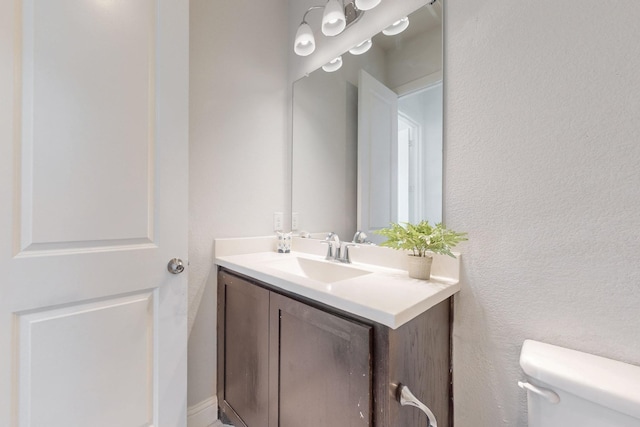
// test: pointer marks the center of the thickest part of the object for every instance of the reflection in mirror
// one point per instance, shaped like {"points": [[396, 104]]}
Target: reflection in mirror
{"points": [[367, 137]]}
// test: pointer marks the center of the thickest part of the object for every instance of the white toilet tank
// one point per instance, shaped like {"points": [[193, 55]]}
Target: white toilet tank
{"points": [[568, 388]]}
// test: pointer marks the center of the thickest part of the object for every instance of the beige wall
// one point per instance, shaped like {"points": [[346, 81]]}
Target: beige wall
{"points": [[543, 170], [238, 151]]}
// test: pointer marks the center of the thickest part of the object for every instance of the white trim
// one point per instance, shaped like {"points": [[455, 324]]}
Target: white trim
{"points": [[419, 83], [204, 414]]}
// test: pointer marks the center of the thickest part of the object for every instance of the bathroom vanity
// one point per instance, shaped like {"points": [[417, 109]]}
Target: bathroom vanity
{"points": [[290, 356], [309, 342]]}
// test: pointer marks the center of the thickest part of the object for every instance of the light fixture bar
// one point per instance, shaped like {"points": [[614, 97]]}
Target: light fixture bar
{"points": [[352, 13], [304, 17]]}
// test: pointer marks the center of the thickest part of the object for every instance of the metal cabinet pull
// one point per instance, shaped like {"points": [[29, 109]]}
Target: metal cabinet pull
{"points": [[550, 395], [407, 398]]}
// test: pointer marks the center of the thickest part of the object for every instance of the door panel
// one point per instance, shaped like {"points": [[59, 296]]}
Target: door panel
{"points": [[377, 154], [93, 204], [320, 365], [111, 367], [76, 92]]}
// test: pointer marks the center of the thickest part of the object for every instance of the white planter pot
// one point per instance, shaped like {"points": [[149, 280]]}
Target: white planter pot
{"points": [[420, 267]]}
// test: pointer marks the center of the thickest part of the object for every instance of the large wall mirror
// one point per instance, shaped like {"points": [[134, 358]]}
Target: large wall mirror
{"points": [[367, 137]]}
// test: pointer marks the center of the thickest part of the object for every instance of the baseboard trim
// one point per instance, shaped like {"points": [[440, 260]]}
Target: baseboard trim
{"points": [[204, 414]]}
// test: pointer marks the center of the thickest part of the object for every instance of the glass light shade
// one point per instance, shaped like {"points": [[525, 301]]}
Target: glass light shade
{"points": [[305, 43], [333, 65], [333, 20], [397, 27], [367, 4], [361, 48]]}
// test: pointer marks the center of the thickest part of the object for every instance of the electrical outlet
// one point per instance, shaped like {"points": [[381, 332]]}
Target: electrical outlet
{"points": [[277, 221], [294, 221]]}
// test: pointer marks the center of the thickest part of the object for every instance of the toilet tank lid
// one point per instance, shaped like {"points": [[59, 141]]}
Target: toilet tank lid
{"points": [[607, 382]]}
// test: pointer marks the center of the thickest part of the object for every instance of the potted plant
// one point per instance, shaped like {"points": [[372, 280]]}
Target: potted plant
{"points": [[423, 240]]}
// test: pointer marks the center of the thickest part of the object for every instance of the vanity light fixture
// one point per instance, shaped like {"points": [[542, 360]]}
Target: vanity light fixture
{"points": [[397, 27], [336, 17], [333, 19], [333, 65], [305, 42], [361, 48]]}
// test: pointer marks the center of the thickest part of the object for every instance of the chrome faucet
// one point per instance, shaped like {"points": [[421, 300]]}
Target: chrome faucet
{"points": [[333, 246], [336, 250], [360, 237]]}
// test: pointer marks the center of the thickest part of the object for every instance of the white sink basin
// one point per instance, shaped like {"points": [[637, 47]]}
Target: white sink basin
{"points": [[322, 271]]}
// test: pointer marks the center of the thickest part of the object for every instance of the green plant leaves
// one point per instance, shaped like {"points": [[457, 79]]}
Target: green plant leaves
{"points": [[421, 238]]}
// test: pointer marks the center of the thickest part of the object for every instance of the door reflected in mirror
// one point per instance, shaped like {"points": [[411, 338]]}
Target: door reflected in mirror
{"points": [[367, 138]]}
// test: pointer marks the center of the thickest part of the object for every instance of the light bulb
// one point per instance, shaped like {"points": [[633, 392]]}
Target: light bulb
{"points": [[367, 4], [305, 43], [397, 27], [361, 48], [333, 20], [333, 65]]}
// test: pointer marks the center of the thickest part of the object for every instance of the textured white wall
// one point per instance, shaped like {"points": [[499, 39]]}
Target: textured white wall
{"points": [[238, 150], [543, 170], [541, 104]]}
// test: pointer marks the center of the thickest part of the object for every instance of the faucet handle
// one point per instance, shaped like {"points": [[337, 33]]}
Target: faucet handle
{"points": [[332, 237], [329, 254], [333, 241], [345, 256]]}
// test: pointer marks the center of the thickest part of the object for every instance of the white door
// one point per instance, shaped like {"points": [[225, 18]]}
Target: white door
{"points": [[377, 155], [409, 168], [93, 205], [404, 187]]}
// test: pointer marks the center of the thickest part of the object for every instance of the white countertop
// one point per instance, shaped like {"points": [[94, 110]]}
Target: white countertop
{"points": [[386, 295]]}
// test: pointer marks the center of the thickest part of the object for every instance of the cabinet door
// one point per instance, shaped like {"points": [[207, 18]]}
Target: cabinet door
{"points": [[320, 366], [243, 351]]}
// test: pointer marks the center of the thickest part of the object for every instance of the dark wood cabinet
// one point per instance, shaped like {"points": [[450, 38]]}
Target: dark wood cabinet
{"points": [[243, 351], [285, 361], [320, 365]]}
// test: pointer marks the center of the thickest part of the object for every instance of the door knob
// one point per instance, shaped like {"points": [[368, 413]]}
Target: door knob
{"points": [[175, 266]]}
